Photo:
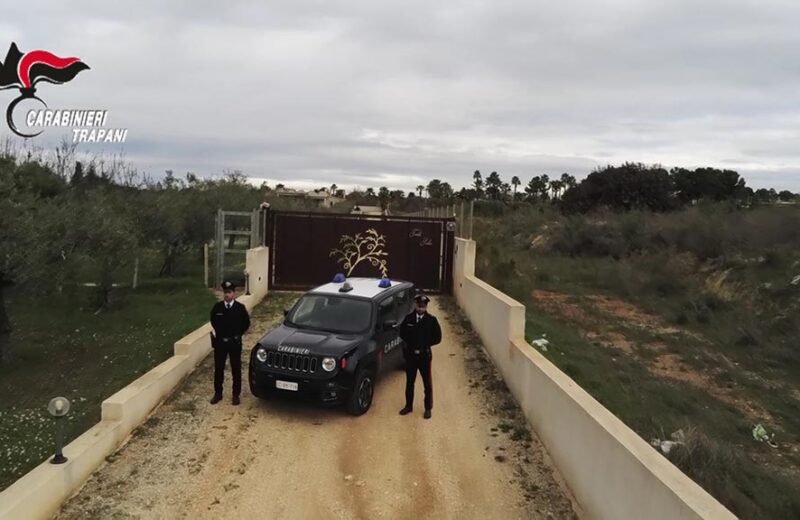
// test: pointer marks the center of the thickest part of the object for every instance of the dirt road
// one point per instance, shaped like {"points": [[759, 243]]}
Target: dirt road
{"points": [[474, 459]]}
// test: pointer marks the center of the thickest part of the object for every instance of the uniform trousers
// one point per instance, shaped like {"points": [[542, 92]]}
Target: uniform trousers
{"points": [[419, 363]]}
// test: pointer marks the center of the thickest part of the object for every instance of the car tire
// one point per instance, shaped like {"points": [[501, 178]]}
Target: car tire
{"points": [[254, 388], [360, 399], [257, 392]]}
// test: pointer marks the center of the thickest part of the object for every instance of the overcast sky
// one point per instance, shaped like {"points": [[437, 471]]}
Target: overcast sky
{"points": [[314, 92]]}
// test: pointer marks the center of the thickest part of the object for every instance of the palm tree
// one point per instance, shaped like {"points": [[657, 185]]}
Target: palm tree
{"points": [[545, 184], [515, 182], [568, 180], [494, 186], [556, 185], [504, 189], [420, 189], [533, 189], [477, 183]]}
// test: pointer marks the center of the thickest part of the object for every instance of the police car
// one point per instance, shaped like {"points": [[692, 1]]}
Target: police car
{"points": [[334, 343]]}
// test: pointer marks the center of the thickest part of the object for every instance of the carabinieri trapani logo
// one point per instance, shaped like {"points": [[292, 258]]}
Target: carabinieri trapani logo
{"points": [[24, 71]]}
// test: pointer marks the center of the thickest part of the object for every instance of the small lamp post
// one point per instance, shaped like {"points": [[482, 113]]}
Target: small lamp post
{"points": [[246, 282], [59, 408]]}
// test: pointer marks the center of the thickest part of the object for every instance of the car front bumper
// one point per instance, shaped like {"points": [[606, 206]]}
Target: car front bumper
{"points": [[332, 390]]}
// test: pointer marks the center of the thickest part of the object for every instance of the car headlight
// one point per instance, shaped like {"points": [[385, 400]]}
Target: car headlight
{"points": [[328, 364], [261, 354]]}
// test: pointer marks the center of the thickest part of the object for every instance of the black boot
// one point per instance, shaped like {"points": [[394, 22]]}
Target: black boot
{"points": [[407, 410], [236, 400], [428, 414], [217, 398]]}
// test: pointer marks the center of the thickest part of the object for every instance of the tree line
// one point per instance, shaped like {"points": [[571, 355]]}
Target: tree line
{"points": [[62, 227], [627, 186], [65, 222]]}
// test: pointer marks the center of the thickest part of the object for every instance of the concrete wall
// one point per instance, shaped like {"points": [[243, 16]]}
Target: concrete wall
{"points": [[612, 472], [257, 268], [40, 493]]}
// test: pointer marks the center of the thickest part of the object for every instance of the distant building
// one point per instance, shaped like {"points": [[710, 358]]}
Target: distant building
{"points": [[368, 210], [323, 197]]}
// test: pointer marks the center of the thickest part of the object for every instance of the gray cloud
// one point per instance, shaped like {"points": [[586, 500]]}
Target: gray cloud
{"points": [[397, 93]]}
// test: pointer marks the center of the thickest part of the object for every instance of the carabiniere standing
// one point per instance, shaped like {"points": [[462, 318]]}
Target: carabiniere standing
{"points": [[230, 321], [420, 331]]}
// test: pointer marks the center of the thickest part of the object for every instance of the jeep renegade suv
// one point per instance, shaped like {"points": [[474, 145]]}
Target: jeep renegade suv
{"points": [[334, 342]]}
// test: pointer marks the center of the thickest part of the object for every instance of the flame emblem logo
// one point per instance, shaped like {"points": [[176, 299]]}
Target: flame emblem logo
{"points": [[24, 71]]}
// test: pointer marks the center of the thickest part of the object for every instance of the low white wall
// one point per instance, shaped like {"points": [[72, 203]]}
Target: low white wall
{"points": [[612, 472], [257, 269], [40, 493]]}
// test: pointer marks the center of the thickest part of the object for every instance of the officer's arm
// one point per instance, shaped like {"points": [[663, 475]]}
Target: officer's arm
{"points": [[213, 317], [436, 333], [246, 324], [404, 330]]}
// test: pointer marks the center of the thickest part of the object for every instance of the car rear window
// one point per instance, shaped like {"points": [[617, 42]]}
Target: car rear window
{"points": [[331, 313]]}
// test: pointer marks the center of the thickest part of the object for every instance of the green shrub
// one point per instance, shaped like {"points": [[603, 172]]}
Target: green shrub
{"points": [[662, 274], [578, 236], [489, 208], [633, 231]]}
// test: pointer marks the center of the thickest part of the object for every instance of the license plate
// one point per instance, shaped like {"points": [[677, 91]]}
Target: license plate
{"points": [[286, 385]]}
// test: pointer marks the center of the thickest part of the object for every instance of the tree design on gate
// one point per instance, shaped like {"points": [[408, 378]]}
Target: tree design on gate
{"points": [[366, 247]]}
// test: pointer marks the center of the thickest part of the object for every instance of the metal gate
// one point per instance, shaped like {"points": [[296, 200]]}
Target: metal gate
{"points": [[236, 232], [307, 249]]}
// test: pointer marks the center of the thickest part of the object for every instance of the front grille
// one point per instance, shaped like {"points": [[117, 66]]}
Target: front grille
{"points": [[292, 362]]}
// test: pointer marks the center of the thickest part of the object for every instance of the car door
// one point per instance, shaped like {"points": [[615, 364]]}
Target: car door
{"points": [[404, 304], [387, 338]]}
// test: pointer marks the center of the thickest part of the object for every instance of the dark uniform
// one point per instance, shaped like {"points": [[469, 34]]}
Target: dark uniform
{"points": [[419, 332], [230, 321]]}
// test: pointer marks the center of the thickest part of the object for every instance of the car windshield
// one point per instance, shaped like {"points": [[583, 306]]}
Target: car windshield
{"points": [[331, 313]]}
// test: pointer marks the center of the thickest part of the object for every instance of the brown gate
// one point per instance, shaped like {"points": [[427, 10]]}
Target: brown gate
{"points": [[308, 249]]}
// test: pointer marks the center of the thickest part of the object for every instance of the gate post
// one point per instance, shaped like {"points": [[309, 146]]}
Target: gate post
{"points": [[253, 229], [461, 220], [264, 224], [471, 217], [268, 227], [220, 245]]}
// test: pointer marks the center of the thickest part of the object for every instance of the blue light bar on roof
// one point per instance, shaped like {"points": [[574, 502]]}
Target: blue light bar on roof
{"points": [[339, 278], [384, 283]]}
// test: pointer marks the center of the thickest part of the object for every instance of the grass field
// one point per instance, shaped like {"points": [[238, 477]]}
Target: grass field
{"points": [[61, 347], [683, 322]]}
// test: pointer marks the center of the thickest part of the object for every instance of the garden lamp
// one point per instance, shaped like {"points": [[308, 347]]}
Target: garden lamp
{"points": [[59, 408]]}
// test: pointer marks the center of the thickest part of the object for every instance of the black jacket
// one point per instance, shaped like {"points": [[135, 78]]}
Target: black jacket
{"points": [[420, 335], [229, 323]]}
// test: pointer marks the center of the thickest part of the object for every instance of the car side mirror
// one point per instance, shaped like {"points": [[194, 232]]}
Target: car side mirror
{"points": [[389, 324]]}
